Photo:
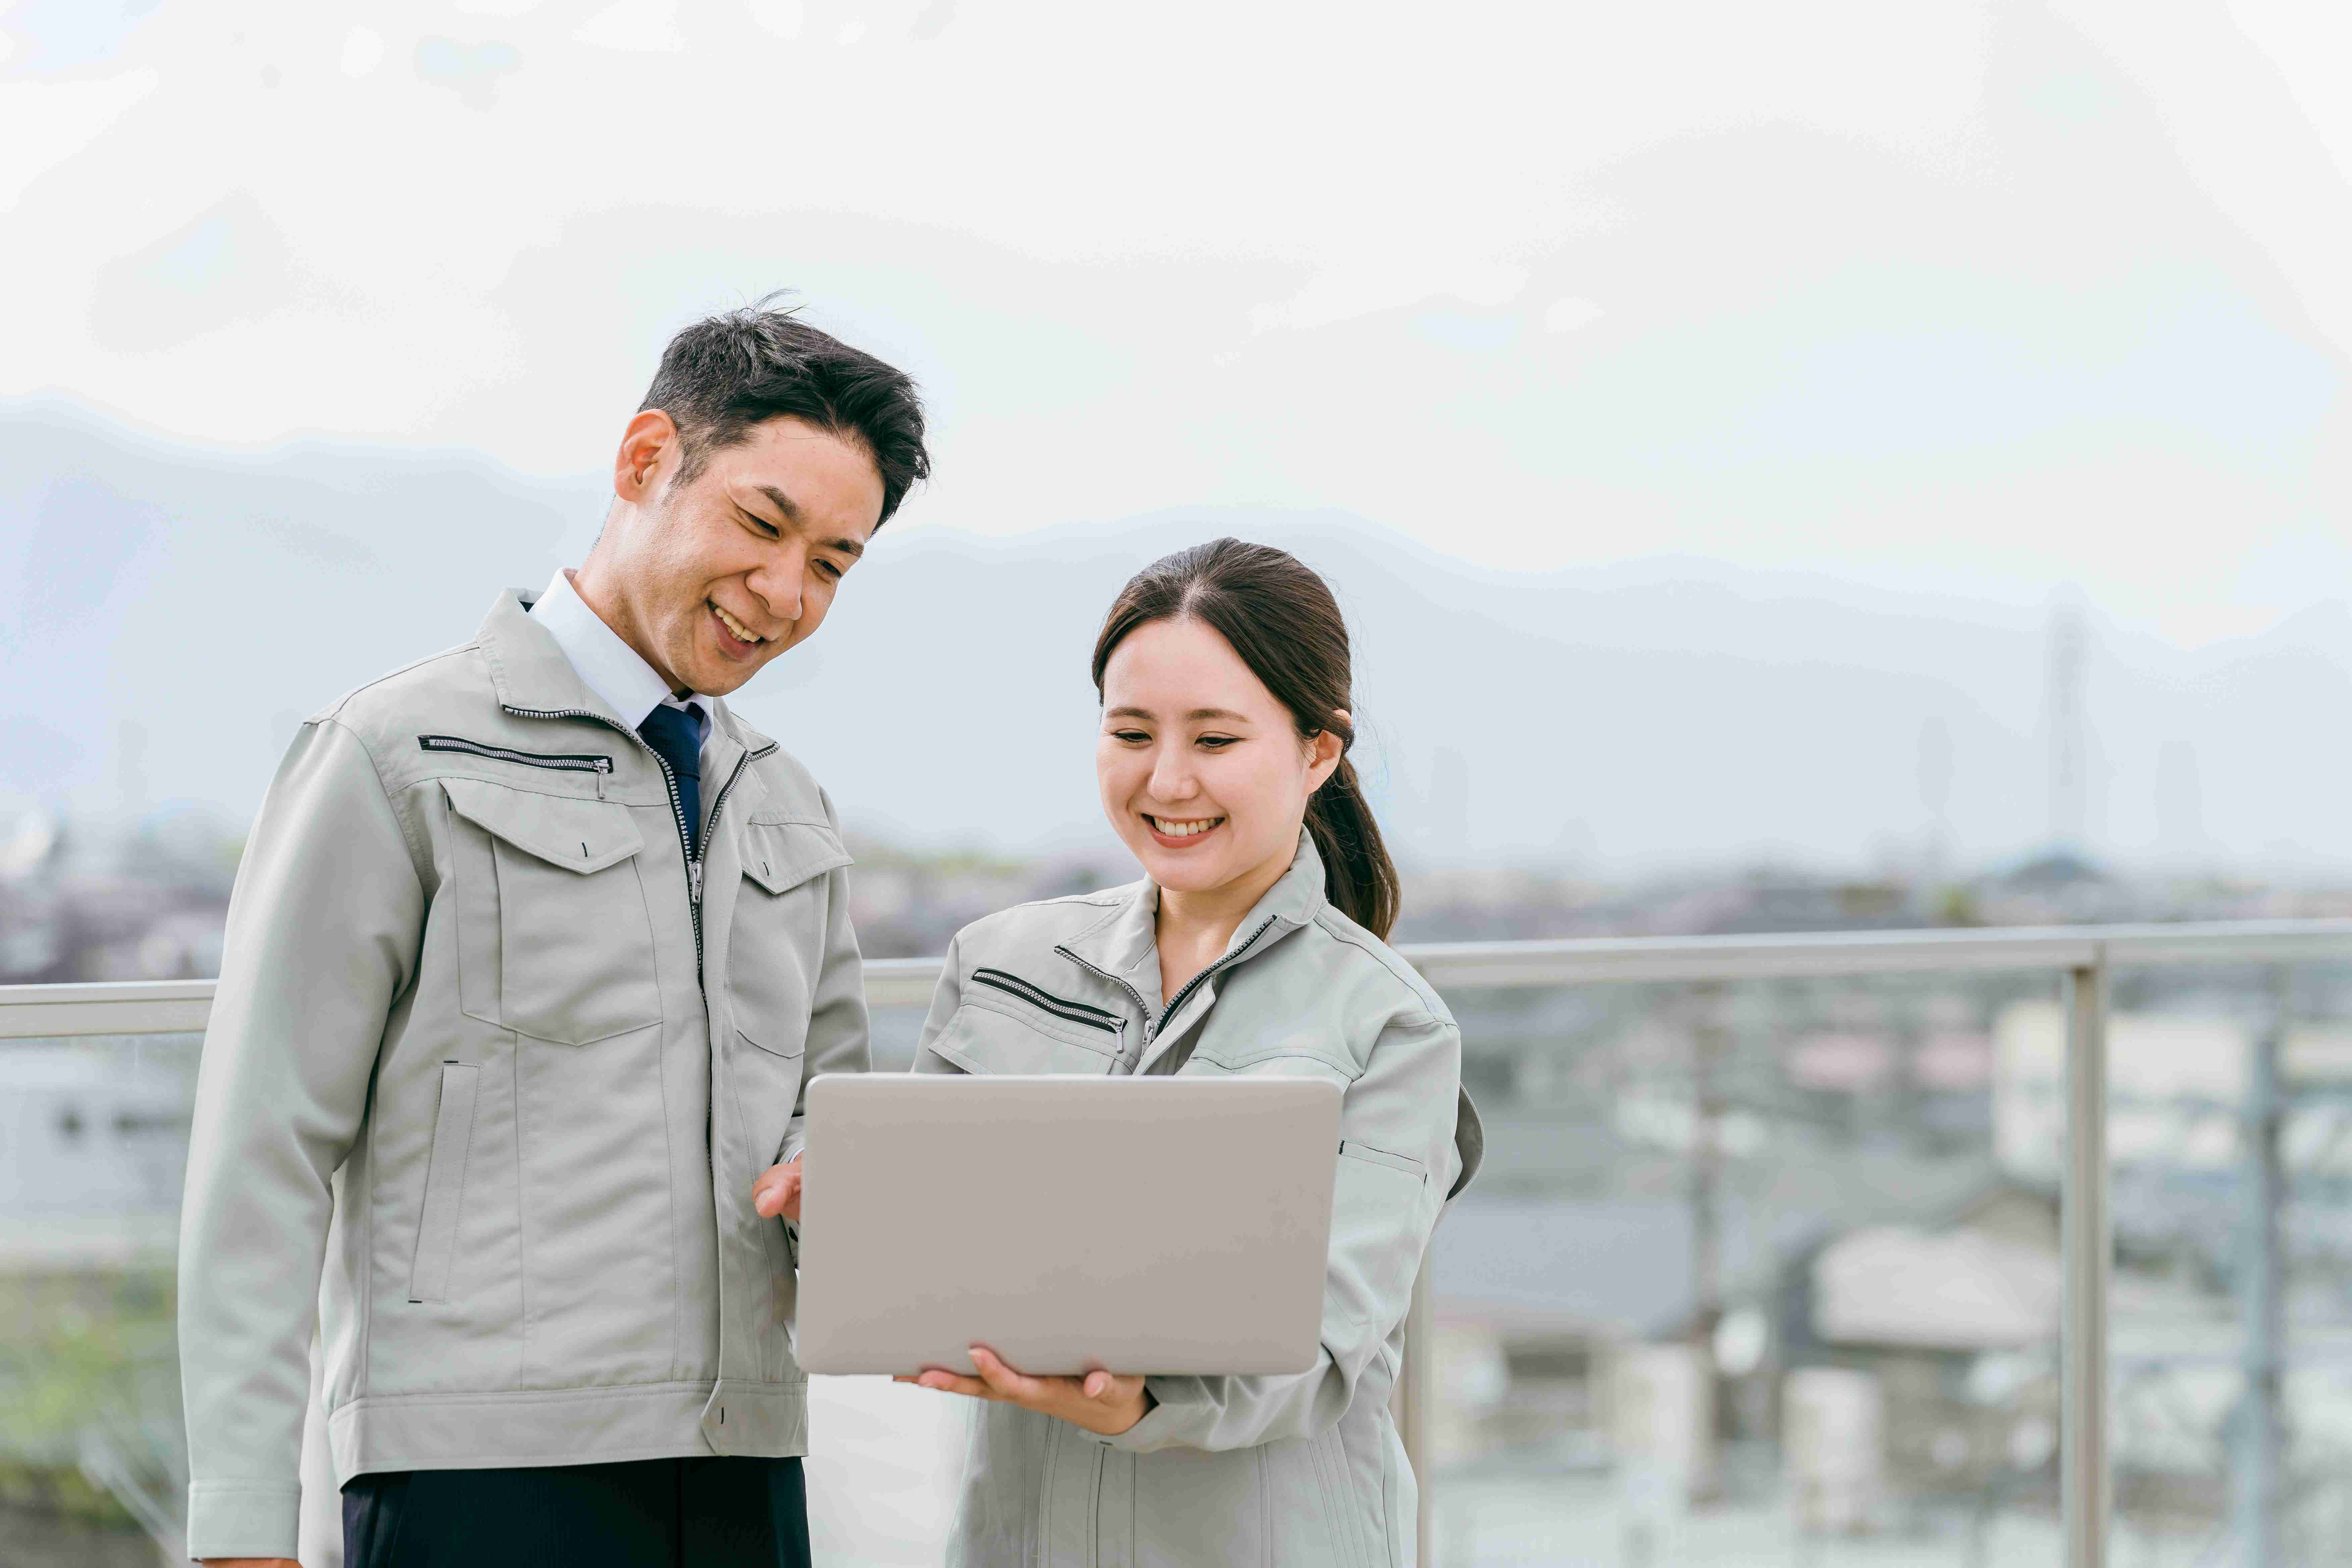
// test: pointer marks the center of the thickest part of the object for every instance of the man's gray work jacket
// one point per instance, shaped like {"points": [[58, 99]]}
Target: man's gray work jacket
{"points": [[1300, 1471], [481, 1054]]}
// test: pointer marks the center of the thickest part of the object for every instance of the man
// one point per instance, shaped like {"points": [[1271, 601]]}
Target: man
{"points": [[532, 949]]}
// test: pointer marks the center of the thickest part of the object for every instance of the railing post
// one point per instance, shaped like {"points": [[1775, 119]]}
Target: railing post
{"points": [[2084, 1485], [2256, 1453], [1413, 1393]]}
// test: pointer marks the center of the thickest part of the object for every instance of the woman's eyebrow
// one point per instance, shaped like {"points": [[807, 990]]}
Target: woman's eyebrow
{"points": [[1197, 713]]}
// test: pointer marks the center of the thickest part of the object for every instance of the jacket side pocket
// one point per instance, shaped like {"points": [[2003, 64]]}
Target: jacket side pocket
{"points": [[1411, 1167], [444, 1182]]}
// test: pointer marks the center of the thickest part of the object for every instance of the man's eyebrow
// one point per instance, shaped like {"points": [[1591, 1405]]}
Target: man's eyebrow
{"points": [[792, 510]]}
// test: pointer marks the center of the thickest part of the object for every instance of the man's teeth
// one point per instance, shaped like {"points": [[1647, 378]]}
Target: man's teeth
{"points": [[736, 628], [1184, 829]]}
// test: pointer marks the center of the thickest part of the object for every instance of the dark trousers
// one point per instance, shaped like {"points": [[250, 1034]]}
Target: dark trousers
{"points": [[711, 1512]]}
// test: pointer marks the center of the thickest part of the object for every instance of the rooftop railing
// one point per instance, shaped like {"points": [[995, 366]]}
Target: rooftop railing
{"points": [[2083, 957]]}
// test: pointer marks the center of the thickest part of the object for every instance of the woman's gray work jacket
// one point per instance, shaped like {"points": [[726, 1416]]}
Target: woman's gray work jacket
{"points": [[1299, 1470]]}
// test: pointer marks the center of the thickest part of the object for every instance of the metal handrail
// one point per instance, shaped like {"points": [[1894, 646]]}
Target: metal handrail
{"points": [[2085, 956], [178, 1006]]}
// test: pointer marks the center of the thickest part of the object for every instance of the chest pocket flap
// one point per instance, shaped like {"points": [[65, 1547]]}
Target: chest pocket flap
{"points": [[555, 941], [577, 834], [780, 856]]}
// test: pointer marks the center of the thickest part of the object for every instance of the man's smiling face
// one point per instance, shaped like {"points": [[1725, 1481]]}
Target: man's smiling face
{"points": [[711, 578]]}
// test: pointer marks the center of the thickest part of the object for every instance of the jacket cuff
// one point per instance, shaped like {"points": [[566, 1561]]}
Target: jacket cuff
{"points": [[229, 1520], [1173, 1420]]}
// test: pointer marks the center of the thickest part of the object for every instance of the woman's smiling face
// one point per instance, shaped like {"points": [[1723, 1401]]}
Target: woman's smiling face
{"points": [[1203, 772]]}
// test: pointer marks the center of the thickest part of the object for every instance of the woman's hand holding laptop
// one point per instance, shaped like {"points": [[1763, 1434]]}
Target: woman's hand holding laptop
{"points": [[1101, 1402]]}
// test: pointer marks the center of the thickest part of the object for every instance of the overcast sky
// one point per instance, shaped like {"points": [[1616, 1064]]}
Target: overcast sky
{"points": [[1981, 298]]}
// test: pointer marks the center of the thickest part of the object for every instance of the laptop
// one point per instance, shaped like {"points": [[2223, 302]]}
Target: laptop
{"points": [[1141, 1225]]}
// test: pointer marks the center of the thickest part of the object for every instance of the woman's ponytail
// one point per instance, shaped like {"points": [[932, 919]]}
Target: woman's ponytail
{"points": [[1358, 874], [1280, 617]]}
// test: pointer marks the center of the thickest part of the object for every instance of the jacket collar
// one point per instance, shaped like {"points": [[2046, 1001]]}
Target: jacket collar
{"points": [[528, 668], [729, 741], [1296, 900], [1125, 942], [532, 675]]}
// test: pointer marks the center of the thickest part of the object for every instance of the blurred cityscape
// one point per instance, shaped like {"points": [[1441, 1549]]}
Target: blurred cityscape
{"points": [[1825, 1210]]}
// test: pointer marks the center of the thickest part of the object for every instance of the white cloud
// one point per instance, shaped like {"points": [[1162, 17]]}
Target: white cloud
{"points": [[43, 123], [362, 51], [1570, 315], [783, 18], [635, 27], [1192, 277], [1346, 293]]}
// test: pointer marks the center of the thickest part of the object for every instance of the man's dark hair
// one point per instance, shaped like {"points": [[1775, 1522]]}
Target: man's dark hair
{"points": [[724, 375]]}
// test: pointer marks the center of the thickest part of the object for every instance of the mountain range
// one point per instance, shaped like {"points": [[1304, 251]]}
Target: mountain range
{"points": [[169, 613]]}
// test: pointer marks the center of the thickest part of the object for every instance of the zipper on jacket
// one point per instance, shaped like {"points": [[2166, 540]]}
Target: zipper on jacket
{"points": [[564, 761], [694, 865], [1151, 1026], [693, 859], [1060, 1006]]}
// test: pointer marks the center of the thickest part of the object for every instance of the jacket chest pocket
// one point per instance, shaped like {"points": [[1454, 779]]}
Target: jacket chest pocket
{"points": [[554, 938], [1008, 1024], [776, 946]]}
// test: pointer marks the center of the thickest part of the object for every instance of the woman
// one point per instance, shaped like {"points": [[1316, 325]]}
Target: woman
{"points": [[1254, 946]]}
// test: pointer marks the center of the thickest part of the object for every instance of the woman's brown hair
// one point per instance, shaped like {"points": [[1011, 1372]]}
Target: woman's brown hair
{"points": [[1280, 617]]}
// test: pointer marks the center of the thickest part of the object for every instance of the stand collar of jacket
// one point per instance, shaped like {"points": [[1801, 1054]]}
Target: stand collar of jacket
{"points": [[1126, 942], [532, 676]]}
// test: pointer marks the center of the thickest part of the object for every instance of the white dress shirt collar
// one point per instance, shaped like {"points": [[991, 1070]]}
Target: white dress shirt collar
{"points": [[611, 667]]}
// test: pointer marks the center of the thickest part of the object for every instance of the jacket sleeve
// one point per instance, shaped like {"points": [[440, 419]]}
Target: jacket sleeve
{"points": [[1397, 1162], [324, 931], [946, 997], [837, 1020]]}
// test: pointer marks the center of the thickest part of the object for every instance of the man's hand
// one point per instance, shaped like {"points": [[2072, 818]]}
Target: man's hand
{"points": [[1101, 1402], [777, 1194]]}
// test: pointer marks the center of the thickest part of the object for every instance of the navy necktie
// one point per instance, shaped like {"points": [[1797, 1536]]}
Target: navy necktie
{"points": [[671, 732]]}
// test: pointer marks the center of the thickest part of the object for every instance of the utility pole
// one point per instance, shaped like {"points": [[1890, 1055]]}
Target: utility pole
{"points": [[2260, 1437], [2068, 783], [1935, 769]]}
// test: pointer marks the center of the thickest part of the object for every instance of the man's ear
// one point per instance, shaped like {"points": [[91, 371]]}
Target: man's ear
{"points": [[649, 448]]}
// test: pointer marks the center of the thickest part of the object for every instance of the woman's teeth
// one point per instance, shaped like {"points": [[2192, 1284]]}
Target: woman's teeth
{"points": [[736, 628], [1184, 829]]}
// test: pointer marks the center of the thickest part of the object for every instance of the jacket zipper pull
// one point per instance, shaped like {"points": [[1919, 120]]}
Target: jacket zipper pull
{"points": [[694, 879], [603, 768]]}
